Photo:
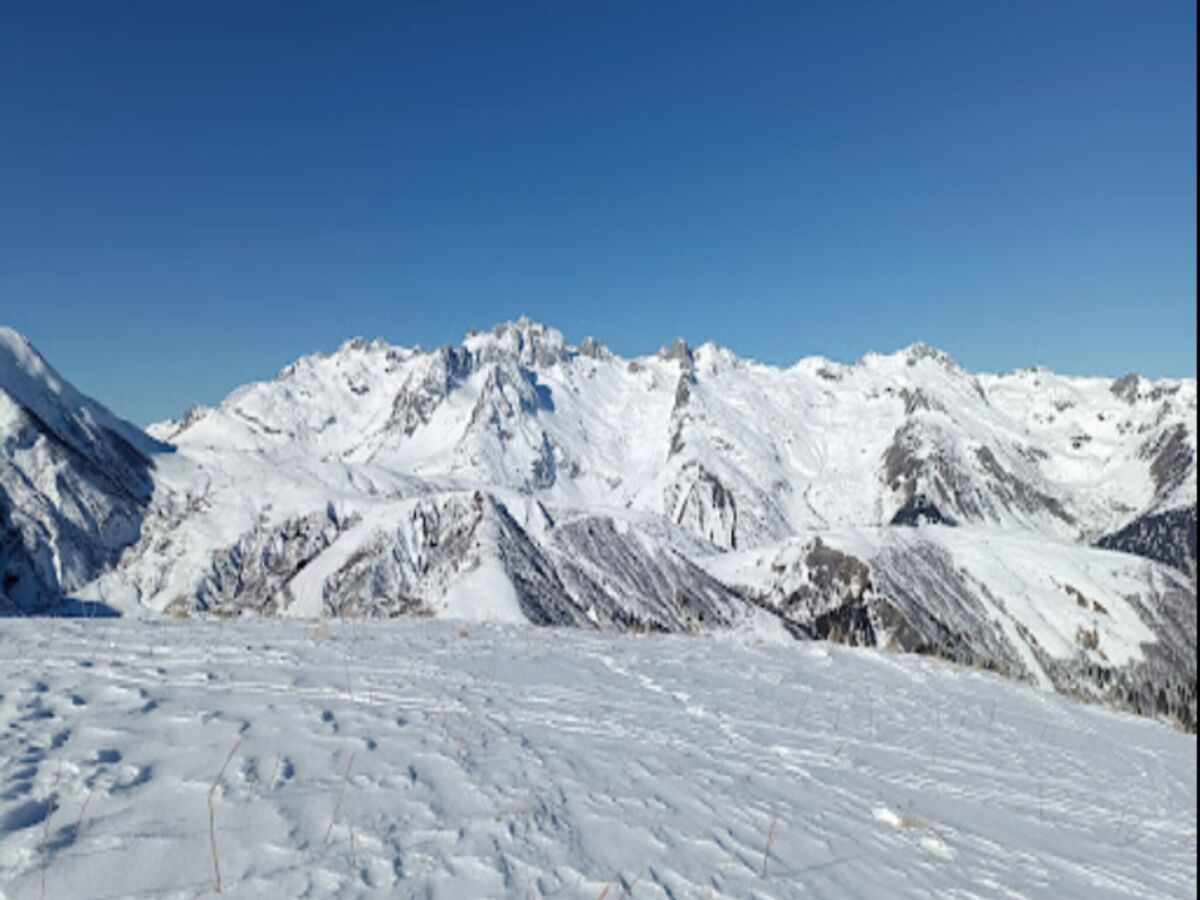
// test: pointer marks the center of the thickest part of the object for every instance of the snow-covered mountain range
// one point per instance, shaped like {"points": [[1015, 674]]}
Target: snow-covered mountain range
{"points": [[518, 477]]}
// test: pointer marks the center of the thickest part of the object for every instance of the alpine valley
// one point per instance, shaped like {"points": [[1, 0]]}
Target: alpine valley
{"points": [[1033, 524]]}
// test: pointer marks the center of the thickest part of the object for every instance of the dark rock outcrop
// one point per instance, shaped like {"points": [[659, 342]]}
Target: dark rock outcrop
{"points": [[1167, 537], [920, 511]]}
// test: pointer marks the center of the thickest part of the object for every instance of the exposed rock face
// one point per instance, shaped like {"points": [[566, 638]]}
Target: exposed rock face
{"points": [[917, 596], [927, 604], [1161, 684], [923, 461], [423, 392], [916, 399], [1018, 494], [926, 460], [679, 352], [1172, 460], [530, 344], [679, 414], [705, 506], [1126, 387], [824, 594], [586, 572], [918, 511], [918, 352], [255, 573], [409, 568], [617, 576], [592, 349]]}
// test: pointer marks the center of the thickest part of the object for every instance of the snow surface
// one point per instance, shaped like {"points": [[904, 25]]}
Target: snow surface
{"points": [[423, 758]]}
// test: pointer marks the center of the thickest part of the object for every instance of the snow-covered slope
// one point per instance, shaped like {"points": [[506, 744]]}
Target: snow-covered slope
{"points": [[74, 480], [1092, 623], [419, 759], [516, 477]]}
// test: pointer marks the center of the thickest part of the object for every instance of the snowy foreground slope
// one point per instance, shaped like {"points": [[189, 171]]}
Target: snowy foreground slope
{"points": [[419, 759]]}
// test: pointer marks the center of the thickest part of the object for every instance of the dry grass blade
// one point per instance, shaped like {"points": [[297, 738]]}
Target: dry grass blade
{"points": [[275, 771], [82, 810], [770, 843], [338, 806], [46, 827], [346, 668], [212, 816]]}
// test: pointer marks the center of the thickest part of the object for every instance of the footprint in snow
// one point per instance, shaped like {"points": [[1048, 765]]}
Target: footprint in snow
{"points": [[19, 784], [249, 769], [26, 815], [35, 710], [287, 771], [134, 777]]}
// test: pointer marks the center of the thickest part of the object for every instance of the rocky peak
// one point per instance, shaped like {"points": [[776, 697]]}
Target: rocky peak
{"points": [[680, 352], [593, 349], [1126, 387], [914, 353], [528, 343]]}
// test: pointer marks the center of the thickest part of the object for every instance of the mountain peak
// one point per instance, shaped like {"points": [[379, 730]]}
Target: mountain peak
{"points": [[1126, 387], [678, 350], [529, 343], [22, 368], [918, 351], [33, 384]]}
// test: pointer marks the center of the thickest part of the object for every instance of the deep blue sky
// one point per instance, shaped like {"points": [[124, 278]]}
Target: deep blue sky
{"points": [[192, 195]]}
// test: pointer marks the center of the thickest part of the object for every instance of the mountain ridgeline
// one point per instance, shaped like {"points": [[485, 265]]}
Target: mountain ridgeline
{"points": [[1035, 524]]}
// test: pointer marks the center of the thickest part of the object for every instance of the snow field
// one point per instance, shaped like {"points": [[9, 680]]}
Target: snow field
{"points": [[443, 759]]}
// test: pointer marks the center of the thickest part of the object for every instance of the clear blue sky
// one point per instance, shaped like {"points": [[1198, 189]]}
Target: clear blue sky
{"points": [[193, 194]]}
